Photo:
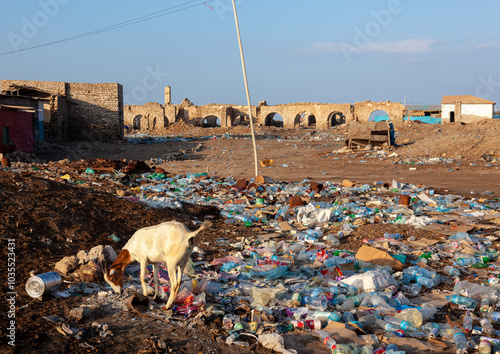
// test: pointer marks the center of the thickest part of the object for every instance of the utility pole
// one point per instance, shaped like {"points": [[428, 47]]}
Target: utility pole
{"points": [[248, 93]]}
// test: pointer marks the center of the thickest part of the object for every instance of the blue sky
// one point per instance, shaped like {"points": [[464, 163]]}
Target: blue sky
{"points": [[295, 51]]}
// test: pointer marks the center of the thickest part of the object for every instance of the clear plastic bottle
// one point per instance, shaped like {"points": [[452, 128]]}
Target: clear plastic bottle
{"points": [[463, 262], [461, 300], [314, 233], [395, 236], [413, 289], [460, 343], [468, 322], [348, 317], [454, 272], [493, 316], [389, 327], [427, 282], [351, 303], [487, 326], [315, 302], [325, 338], [404, 325], [369, 320], [485, 304]]}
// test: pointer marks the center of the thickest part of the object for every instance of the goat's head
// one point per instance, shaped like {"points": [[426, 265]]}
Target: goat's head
{"points": [[114, 277]]}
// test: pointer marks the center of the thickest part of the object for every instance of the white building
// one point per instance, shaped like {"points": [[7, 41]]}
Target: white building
{"points": [[465, 109]]}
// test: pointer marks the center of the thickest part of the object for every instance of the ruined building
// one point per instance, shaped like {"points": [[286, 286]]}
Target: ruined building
{"points": [[68, 110]]}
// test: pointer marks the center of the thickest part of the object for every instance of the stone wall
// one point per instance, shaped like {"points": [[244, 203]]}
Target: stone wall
{"points": [[95, 111]]}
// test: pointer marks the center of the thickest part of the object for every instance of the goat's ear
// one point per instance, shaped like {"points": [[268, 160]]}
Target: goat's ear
{"points": [[112, 271]]}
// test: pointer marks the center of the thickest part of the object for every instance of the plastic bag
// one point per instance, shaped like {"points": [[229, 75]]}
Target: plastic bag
{"points": [[262, 296], [275, 342]]}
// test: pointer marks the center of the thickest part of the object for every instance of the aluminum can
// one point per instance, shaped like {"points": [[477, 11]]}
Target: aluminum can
{"points": [[44, 283]]}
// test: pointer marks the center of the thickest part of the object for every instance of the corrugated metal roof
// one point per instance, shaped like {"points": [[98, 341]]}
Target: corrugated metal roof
{"points": [[467, 99], [19, 108]]}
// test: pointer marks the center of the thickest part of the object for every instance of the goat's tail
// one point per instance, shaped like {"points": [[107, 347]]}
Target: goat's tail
{"points": [[205, 226]]}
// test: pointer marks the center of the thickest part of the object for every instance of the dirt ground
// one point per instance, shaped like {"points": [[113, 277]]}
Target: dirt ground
{"points": [[50, 219]]}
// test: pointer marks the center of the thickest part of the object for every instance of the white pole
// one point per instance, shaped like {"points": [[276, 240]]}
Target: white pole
{"points": [[248, 93]]}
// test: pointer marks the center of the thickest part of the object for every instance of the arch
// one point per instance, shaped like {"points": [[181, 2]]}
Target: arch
{"points": [[311, 120], [241, 119], [304, 119], [136, 123], [154, 123], [211, 122], [274, 120], [336, 118], [378, 115]]}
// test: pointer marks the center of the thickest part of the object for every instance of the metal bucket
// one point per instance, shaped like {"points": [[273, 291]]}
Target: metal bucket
{"points": [[41, 284]]}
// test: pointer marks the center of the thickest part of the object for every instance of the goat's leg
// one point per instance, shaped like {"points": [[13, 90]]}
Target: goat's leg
{"points": [[142, 276], [155, 276], [173, 285]]}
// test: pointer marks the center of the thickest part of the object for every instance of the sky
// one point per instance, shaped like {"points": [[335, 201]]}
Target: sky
{"points": [[327, 51]]}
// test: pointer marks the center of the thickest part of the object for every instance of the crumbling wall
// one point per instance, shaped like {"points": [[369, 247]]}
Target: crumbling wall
{"points": [[362, 110], [95, 111], [148, 117]]}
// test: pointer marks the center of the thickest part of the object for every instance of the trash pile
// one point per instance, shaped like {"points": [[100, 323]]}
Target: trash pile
{"points": [[394, 294]]}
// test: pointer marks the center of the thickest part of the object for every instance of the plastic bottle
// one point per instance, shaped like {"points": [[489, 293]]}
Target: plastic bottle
{"points": [[389, 327], [397, 302], [468, 322], [432, 329], [335, 316], [427, 282], [325, 338], [463, 262], [454, 272], [493, 316], [460, 300], [460, 343], [395, 236], [314, 233], [413, 289], [404, 325], [348, 317], [485, 304], [487, 326], [351, 303], [369, 320], [315, 302]]}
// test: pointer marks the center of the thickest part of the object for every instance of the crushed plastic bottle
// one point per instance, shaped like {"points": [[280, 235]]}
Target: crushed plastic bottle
{"points": [[454, 272]]}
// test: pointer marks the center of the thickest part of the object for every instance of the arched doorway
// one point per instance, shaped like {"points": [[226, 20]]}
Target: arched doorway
{"points": [[211, 122], [136, 124], [274, 120], [304, 119], [335, 119], [378, 116]]}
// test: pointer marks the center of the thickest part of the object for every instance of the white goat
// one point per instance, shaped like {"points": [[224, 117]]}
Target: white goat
{"points": [[169, 242]]}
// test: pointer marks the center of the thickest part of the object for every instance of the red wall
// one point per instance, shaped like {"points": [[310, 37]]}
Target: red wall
{"points": [[21, 130]]}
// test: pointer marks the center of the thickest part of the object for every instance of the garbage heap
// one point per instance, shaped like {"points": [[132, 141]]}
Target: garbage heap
{"points": [[394, 294]]}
